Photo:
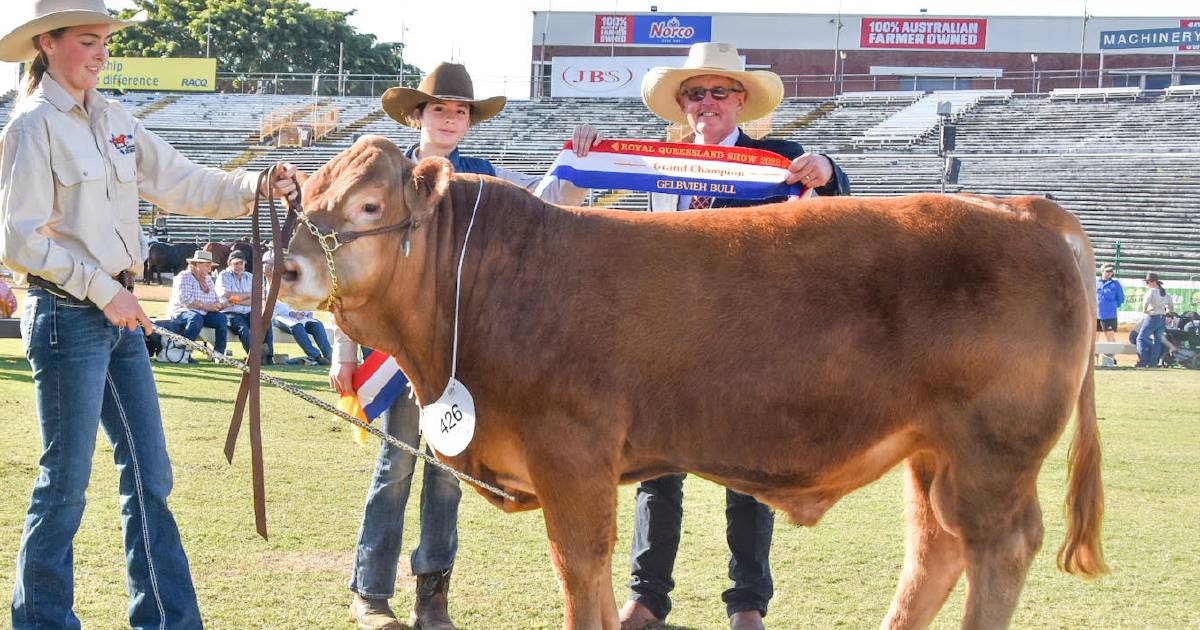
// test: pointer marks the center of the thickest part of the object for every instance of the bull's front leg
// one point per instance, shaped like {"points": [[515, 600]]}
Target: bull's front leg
{"points": [[579, 501]]}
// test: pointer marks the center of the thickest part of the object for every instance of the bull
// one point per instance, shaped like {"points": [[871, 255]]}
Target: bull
{"points": [[606, 347]]}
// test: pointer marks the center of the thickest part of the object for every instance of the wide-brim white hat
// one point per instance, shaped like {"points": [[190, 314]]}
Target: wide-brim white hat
{"points": [[43, 16], [660, 86]]}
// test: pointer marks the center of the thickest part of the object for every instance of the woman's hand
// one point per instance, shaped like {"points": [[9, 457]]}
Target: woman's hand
{"points": [[282, 179], [340, 377], [125, 311]]}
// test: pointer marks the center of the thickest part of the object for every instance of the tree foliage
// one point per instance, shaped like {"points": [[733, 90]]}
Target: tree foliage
{"points": [[252, 36]]}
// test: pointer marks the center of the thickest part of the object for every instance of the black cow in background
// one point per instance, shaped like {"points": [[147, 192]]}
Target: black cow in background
{"points": [[166, 257]]}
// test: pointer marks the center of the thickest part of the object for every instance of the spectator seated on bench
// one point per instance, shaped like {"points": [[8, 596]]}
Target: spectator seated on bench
{"points": [[302, 325], [194, 303], [233, 289]]}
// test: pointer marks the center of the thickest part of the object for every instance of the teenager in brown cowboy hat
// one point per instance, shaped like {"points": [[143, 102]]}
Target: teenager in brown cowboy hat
{"points": [[72, 167], [712, 93], [443, 108]]}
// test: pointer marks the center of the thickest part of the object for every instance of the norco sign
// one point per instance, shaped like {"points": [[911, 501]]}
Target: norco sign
{"points": [[604, 76], [671, 30]]}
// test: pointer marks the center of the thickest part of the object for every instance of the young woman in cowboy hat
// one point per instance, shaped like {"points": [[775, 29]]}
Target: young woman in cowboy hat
{"points": [[72, 167], [443, 108]]}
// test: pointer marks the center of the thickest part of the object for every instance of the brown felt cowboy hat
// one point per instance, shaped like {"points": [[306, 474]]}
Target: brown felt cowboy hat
{"points": [[42, 16], [660, 86], [448, 83]]}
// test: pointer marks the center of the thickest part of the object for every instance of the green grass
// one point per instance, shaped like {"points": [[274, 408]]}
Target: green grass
{"points": [[839, 574]]}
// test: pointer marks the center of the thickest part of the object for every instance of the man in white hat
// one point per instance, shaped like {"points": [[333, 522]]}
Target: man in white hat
{"points": [[712, 93]]}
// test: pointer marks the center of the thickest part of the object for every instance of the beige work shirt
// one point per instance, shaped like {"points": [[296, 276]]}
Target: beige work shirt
{"points": [[69, 185]]}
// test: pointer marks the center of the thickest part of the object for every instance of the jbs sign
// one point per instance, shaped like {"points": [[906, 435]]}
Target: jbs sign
{"points": [[604, 76]]}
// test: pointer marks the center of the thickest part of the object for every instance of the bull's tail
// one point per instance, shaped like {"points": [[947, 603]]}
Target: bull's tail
{"points": [[1081, 553]]}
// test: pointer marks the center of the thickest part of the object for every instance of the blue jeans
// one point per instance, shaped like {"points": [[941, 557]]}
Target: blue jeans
{"points": [[239, 323], [658, 518], [1149, 340], [189, 324], [301, 332], [374, 573], [89, 373]]}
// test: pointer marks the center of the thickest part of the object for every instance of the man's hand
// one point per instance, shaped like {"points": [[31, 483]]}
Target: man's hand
{"points": [[584, 138], [281, 180], [340, 377], [810, 169], [124, 311]]}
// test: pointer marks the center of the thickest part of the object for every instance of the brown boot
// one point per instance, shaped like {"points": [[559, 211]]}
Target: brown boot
{"points": [[373, 614], [429, 611], [635, 616]]}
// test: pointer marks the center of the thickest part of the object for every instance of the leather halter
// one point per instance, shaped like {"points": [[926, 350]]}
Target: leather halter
{"points": [[331, 241]]}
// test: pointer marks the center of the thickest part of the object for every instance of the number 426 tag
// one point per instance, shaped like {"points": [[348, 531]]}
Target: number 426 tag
{"points": [[449, 422]]}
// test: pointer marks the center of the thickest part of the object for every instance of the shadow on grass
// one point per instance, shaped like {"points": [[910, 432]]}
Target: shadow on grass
{"points": [[15, 370]]}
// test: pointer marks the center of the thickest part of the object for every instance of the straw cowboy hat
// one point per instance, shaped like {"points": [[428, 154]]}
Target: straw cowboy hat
{"points": [[660, 86], [201, 256], [448, 83], [42, 16]]}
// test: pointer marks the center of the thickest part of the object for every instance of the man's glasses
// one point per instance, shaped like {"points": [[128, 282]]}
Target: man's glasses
{"points": [[696, 94]]}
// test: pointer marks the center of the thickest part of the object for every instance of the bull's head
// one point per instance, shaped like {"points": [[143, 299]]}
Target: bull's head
{"points": [[365, 204]]}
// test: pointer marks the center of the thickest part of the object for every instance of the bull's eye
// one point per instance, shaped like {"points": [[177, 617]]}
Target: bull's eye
{"points": [[371, 208]]}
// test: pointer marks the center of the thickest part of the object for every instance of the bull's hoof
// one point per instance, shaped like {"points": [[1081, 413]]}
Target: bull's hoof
{"points": [[746, 620]]}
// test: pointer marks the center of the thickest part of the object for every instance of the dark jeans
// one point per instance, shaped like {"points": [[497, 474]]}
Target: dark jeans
{"points": [[89, 374], [239, 323], [189, 324], [656, 526]]}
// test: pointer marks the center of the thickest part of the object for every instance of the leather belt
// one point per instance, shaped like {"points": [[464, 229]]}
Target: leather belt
{"points": [[57, 291]]}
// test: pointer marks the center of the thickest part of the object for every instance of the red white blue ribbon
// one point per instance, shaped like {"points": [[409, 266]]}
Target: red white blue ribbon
{"points": [[679, 169]]}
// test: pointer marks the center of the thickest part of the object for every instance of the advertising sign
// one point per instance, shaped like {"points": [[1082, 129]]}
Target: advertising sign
{"points": [[1150, 38], [1189, 24], [604, 76], [924, 33], [159, 74], [665, 30]]}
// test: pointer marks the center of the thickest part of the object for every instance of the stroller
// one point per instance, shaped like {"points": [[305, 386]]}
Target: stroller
{"points": [[1181, 345]]}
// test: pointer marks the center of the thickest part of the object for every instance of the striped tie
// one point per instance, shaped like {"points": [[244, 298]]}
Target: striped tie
{"points": [[700, 203]]}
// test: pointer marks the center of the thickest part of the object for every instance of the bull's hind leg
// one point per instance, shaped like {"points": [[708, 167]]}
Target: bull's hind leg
{"points": [[580, 511], [1000, 522], [933, 557]]}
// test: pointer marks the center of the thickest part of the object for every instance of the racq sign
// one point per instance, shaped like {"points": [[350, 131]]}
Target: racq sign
{"points": [[667, 30], [604, 76]]}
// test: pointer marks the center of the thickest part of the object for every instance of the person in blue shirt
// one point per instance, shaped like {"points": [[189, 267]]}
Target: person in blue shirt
{"points": [[1109, 297]]}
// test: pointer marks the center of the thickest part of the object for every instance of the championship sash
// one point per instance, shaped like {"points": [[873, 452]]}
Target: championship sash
{"points": [[678, 169]]}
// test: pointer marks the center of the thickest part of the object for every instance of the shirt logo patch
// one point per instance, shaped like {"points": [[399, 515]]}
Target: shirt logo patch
{"points": [[123, 143]]}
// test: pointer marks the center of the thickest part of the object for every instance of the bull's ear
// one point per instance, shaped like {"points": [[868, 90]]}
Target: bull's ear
{"points": [[426, 185]]}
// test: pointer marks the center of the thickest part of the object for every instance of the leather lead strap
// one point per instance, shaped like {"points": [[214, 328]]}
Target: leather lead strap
{"points": [[260, 319]]}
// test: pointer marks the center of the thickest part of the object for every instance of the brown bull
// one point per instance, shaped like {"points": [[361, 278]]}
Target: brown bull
{"points": [[605, 347]]}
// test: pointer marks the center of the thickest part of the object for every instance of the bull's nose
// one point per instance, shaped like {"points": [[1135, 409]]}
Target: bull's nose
{"points": [[291, 270]]}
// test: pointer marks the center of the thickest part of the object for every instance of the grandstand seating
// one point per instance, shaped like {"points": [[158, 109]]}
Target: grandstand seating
{"points": [[918, 119], [1125, 167]]}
